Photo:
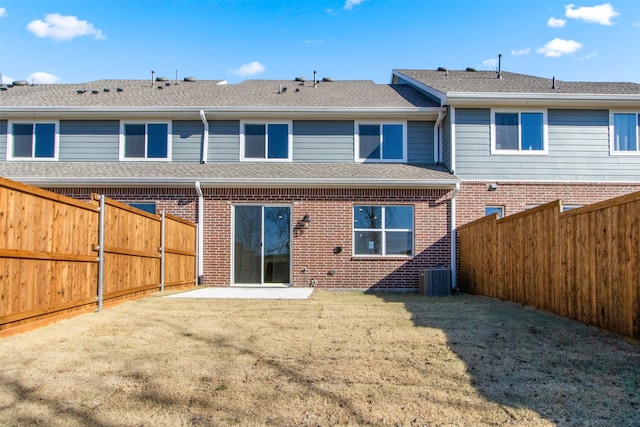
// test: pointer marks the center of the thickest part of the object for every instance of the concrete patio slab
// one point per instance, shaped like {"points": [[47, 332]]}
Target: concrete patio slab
{"points": [[246, 293]]}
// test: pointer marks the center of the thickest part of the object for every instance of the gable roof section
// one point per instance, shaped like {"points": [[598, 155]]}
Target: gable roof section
{"points": [[245, 174], [456, 86], [215, 96]]}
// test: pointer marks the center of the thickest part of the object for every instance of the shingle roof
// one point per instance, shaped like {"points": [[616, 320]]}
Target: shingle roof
{"points": [[159, 174], [486, 81], [211, 93]]}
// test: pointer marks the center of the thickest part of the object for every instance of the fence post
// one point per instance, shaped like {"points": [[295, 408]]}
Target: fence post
{"points": [[101, 255], [162, 225]]}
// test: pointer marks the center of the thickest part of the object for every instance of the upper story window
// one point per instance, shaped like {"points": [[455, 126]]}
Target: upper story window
{"points": [[383, 230], [145, 141], [519, 132], [380, 142], [266, 142], [624, 131], [32, 141]]}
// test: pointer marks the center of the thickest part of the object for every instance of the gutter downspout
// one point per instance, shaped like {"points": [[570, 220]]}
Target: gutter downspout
{"points": [[454, 243], [436, 138], [199, 250], [205, 138]]}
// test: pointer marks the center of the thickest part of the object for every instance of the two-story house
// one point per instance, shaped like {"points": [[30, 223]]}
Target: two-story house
{"points": [[517, 141], [327, 183]]}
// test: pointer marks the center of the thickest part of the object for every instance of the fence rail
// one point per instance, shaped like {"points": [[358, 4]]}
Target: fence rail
{"points": [[50, 257], [583, 264]]}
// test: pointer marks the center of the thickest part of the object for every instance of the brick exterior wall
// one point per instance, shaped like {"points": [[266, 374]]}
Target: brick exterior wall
{"points": [[331, 213], [517, 196]]}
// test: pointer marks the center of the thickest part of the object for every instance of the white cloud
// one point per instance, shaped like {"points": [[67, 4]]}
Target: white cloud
{"points": [[521, 52], [636, 25], [250, 69], [556, 22], [558, 47], [42, 78], [350, 3], [312, 41], [6, 80], [601, 14], [3, 12], [589, 56], [60, 27], [490, 62]]}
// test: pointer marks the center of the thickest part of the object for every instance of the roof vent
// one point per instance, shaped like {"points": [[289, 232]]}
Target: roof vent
{"points": [[160, 87], [95, 92], [106, 89], [189, 79], [327, 79], [119, 89], [471, 69], [162, 79], [300, 79], [21, 83], [442, 69], [80, 91]]}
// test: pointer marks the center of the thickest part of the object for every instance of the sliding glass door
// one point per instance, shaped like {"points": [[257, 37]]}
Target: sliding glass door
{"points": [[262, 245]]}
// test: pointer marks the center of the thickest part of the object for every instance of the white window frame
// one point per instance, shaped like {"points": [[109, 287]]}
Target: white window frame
{"points": [[146, 123], [612, 150], [266, 123], [499, 208], [56, 141], [383, 229], [356, 141], [545, 134]]}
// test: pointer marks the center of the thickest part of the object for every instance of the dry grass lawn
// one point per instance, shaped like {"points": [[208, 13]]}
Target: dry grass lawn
{"points": [[338, 358]]}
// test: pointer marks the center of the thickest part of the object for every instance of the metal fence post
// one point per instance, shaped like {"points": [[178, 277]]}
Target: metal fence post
{"points": [[101, 255], [162, 222]]}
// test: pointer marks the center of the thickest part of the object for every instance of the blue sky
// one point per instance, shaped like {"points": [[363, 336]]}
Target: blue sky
{"points": [[74, 41]]}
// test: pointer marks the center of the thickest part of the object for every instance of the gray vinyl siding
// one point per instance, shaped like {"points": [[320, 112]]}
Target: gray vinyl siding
{"points": [[186, 140], [89, 140], [224, 141], [446, 141], [578, 150], [420, 142], [323, 141], [3, 140]]}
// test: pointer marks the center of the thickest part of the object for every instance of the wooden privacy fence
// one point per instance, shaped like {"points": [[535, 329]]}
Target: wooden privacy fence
{"points": [[59, 255], [583, 264]]}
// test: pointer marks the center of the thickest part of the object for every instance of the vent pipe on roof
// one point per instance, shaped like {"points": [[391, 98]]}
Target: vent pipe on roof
{"points": [[315, 81], [499, 65], [153, 77], [553, 83]]}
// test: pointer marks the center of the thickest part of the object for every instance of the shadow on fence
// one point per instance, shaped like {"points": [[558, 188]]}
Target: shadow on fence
{"points": [[60, 256], [583, 264]]}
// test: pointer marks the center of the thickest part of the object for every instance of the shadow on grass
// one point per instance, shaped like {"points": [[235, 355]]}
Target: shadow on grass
{"points": [[518, 357]]}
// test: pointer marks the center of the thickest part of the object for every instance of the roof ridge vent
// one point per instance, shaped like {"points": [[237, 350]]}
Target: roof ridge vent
{"points": [[20, 83], [471, 69]]}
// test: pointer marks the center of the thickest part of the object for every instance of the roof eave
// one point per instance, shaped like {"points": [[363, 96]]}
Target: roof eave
{"points": [[221, 111], [543, 99], [76, 182]]}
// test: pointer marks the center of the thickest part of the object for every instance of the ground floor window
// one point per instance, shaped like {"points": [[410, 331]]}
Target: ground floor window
{"points": [[382, 230], [490, 210]]}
